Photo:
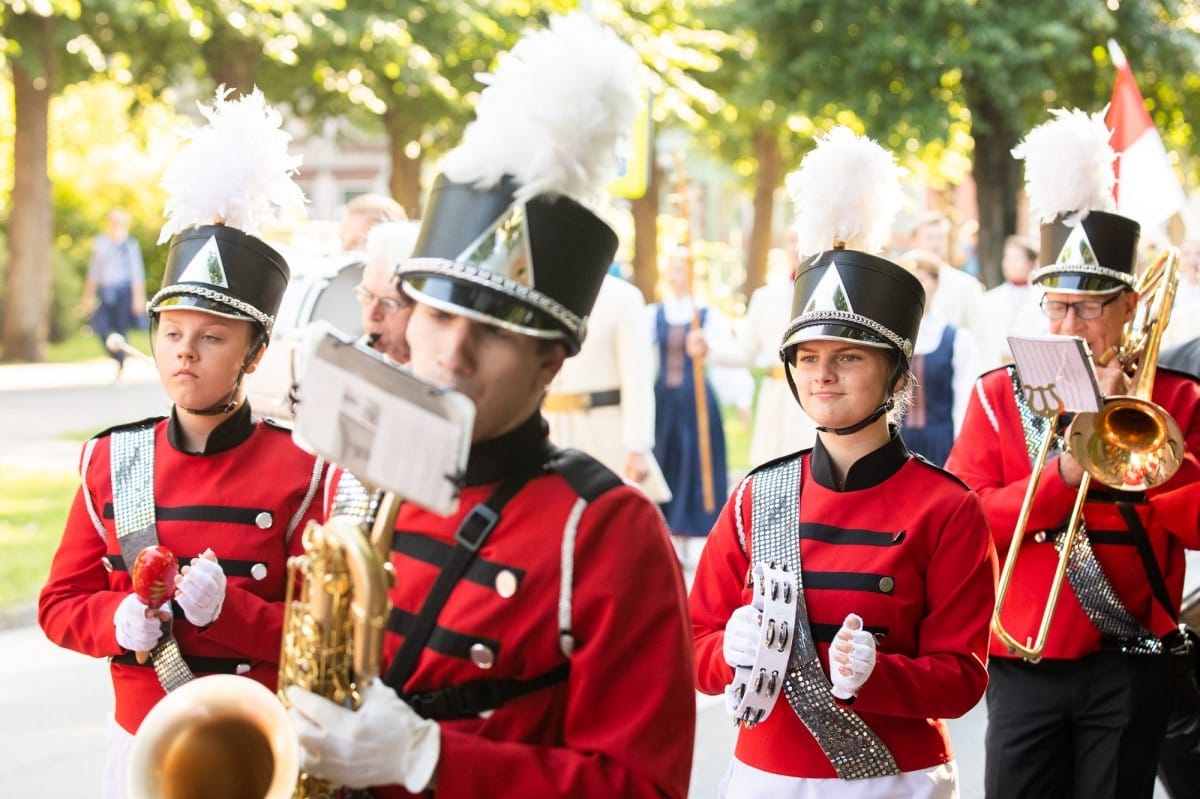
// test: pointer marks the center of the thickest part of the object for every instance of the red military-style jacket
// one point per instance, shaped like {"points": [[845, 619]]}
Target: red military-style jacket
{"points": [[247, 498], [905, 546], [575, 553], [992, 457]]}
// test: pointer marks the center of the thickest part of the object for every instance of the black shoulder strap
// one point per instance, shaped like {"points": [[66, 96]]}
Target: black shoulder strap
{"points": [[1157, 584], [475, 528]]}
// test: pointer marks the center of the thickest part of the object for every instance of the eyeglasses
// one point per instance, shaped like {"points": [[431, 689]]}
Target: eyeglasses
{"points": [[1084, 309], [367, 298]]}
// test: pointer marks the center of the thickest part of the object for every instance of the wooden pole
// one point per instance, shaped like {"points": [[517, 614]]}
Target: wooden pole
{"points": [[705, 443]]}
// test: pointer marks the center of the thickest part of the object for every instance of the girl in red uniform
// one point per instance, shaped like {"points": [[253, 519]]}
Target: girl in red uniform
{"points": [[226, 493], [889, 557]]}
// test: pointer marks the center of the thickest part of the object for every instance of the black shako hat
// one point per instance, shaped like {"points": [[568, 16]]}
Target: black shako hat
{"points": [[533, 267], [222, 270], [853, 296], [1097, 255]]}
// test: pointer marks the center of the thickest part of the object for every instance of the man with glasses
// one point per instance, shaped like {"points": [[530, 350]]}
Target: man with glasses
{"points": [[1088, 717], [385, 310]]}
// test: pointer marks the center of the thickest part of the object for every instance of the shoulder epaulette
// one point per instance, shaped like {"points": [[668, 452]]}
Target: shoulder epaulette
{"points": [[919, 457], [278, 424], [589, 477], [149, 421], [781, 458]]}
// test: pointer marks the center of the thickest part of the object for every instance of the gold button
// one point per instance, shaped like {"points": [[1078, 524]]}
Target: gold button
{"points": [[886, 584], [482, 656], [506, 584]]}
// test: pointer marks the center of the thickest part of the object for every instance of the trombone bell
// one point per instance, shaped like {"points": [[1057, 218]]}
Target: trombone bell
{"points": [[1131, 444]]}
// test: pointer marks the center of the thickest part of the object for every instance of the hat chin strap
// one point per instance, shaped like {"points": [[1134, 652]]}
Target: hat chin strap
{"points": [[871, 418]]}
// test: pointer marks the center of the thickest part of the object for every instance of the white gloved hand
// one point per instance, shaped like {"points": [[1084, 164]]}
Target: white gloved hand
{"points": [[743, 634], [200, 589], [384, 742], [851, 658], [139, 627]]}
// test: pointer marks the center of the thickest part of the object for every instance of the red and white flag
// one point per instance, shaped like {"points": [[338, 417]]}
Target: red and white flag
{"points": [[1148, 189]]}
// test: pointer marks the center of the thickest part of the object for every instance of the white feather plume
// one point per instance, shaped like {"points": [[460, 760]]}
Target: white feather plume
{"points": [[553, 114], [1068, 165], [846, 193], [234, 171]]}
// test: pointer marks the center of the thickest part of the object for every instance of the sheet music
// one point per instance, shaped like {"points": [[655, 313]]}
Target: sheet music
{"points": [[388, 428], [1056, 372]]}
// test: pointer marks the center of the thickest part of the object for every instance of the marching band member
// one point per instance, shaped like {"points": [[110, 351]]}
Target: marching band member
{"points": [[558, 662], [1088, 716], [888, 556], [193, 482], [385, 309]]}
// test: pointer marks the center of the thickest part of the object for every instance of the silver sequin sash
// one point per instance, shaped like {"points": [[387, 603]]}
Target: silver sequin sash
{"points": [[853, 748], [131, 467], [353, 499]]}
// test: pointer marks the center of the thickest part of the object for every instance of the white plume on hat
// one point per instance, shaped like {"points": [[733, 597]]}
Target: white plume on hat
{"points": [[234, 171], [553, 113], [1069, 165], [846, 193]]}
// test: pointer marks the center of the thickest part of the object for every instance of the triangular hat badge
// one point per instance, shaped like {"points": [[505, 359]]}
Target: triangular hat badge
{"points": [[829, 294], [1078, 250], [205, 267]]}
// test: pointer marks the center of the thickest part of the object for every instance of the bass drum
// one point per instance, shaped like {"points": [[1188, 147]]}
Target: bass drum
{"points": [[321, 289]]}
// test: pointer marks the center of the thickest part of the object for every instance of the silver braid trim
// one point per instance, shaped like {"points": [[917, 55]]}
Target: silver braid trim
{"points": [[1084, 269], [817, 317], [191, 290], [494, 280]]}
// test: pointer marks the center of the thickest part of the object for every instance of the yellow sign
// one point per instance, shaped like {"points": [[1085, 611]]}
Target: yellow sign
{"points": [[634, 170]]}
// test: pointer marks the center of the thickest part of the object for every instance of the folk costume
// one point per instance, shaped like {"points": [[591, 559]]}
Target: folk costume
{"points": [[538, 645], [676, 423], [602, 402], [1088, 717], [921, 580]]}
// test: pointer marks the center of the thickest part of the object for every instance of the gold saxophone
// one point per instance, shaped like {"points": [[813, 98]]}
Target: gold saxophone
{"points": [[228, 736], [333, 631]]}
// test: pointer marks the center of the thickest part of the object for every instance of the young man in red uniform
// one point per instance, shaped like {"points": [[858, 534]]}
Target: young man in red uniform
{"points": [[557, 664], [895, 568], [1087, 718], [194, 483]]}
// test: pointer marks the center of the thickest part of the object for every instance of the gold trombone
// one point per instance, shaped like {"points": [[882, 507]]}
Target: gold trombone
{"points": [[1130, 444]]}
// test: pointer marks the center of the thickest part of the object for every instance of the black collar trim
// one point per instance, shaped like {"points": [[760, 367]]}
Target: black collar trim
{"points": [[228, 434], [868, 471], [525, 448]]}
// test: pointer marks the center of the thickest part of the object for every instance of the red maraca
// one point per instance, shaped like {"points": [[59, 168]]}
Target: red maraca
{"points": [[153, 573]]}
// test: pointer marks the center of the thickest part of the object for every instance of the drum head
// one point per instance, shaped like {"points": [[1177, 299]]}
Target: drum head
{"points": [[321, 289]]}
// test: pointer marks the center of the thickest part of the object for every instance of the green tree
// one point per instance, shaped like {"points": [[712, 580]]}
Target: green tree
{"points": [[916, 71]]}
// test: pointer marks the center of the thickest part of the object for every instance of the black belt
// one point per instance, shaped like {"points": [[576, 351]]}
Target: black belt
{"points": [[472, 698]]}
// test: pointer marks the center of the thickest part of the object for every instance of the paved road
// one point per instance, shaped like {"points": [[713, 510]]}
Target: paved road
{"points": [[53, 702]]}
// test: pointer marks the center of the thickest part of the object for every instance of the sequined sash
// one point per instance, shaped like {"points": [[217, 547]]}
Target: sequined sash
{"points": [[853, 748], [131, 467]]}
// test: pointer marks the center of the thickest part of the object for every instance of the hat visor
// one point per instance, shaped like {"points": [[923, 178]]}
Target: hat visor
{"points": [[826, 331], [1079, 283], [482, 304], [188, 302]]}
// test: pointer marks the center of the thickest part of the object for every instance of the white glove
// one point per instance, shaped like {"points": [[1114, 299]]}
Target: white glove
{"points": [[743, 634], [384, 742], [200, 589], [139, 627], [851, 658]]}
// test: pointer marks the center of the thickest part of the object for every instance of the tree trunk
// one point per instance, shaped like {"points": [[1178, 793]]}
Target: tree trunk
{"points": [[770, 173], [997, 180], [30, 223], [231, 58], [645, 234], [404, 183]]}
